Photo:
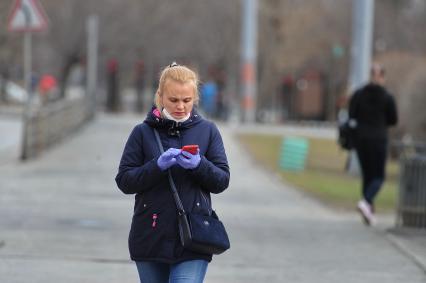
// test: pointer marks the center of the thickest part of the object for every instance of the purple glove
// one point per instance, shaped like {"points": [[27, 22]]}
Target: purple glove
{"points": [[168, 158], [188, 160]]}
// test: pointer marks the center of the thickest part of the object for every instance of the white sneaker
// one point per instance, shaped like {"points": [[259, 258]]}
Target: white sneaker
{"points": [[366, 212]]}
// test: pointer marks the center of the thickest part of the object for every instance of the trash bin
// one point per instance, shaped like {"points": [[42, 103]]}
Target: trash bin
{"points": [[293, 154], [411, 211]]}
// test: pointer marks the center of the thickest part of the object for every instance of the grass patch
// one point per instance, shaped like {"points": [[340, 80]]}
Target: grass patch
{"points": [[324, 177]]}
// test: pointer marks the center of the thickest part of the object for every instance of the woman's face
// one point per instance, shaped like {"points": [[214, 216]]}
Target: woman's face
{"points": [[178, 98]]}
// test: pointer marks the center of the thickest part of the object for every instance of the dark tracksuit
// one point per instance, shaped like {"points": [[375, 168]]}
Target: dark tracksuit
{"points": [[139, 174], [374, 110]]}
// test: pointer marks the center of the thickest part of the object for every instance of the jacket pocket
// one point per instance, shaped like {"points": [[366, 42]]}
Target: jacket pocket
{"points": [[202, 203], [147, 216]]}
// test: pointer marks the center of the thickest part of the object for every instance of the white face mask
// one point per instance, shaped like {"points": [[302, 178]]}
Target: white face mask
{"points": [[170, 117]]}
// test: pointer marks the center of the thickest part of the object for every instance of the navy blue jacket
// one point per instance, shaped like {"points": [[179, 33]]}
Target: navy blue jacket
{"points": [[154, 233]]}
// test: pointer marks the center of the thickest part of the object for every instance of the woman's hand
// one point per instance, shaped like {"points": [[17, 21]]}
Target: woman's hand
{"points": [[168, 158], [189, 161]]}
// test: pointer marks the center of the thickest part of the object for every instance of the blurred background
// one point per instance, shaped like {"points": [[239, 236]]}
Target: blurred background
{"points": [[303, 53]]}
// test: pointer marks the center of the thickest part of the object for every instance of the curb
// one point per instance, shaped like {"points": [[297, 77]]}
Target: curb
{"points": [[404, 248]]}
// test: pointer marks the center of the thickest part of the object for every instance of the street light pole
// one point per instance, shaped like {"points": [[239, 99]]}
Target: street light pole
{"points": [[249, 59], [362, 38]]}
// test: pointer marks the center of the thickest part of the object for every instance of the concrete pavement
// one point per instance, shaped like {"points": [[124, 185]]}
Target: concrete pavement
{"points": [[64, 220]]}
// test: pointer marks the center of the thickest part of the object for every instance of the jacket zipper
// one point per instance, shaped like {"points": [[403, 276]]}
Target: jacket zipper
{"points": [[209, 208], [154, 220]]}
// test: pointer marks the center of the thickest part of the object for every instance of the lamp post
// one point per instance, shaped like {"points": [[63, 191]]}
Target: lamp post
{"points": [[362, 37]]}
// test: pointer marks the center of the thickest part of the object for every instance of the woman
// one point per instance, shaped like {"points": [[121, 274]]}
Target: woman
{"points": [[153, 241]]}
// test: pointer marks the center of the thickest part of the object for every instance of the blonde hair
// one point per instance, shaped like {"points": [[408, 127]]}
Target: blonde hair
{"points": [[178, 73]]}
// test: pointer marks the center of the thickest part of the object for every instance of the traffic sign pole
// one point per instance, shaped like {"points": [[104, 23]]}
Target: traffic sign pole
{"points": [[27, 79], [27, 16]]}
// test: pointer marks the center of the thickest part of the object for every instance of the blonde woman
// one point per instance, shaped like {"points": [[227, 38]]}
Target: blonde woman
{"points": [[154, 241]]}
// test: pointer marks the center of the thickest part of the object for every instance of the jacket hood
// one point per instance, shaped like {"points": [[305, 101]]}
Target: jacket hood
{"points": [[155, 120], [375, 93]]}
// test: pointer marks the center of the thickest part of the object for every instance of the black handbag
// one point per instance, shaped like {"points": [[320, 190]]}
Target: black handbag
{"points": [[346, 135], [199, 233]]}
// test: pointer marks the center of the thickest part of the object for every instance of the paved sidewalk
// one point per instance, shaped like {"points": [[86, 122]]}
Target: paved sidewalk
{"points": [[64, 220], [410, 242], [10, 137]]}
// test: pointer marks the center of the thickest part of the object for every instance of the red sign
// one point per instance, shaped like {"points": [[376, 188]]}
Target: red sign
{"points": [[27, 16]]}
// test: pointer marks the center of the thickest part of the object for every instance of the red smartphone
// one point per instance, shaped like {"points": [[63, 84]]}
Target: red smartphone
{"points": [[191, 148]]}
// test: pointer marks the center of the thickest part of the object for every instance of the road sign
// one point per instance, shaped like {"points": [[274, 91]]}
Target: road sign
{"points": [[27, 16]]}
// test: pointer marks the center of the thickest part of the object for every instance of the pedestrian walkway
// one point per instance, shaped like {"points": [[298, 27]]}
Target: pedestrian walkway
{"points": [[10, 137], [64, 220]]}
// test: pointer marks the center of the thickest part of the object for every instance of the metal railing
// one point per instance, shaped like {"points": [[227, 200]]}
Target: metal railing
{"points": [[50, 123]]}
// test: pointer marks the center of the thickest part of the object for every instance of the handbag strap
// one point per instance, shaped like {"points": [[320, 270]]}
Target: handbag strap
{"points": [[169, 173]]}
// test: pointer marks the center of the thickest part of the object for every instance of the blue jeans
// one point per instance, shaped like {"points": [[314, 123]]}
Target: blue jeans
{"points": [[191, 271]]}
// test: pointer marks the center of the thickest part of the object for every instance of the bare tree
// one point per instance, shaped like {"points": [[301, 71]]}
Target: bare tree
{"points": [[202, 32], [10, 45], [299, 34]]}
